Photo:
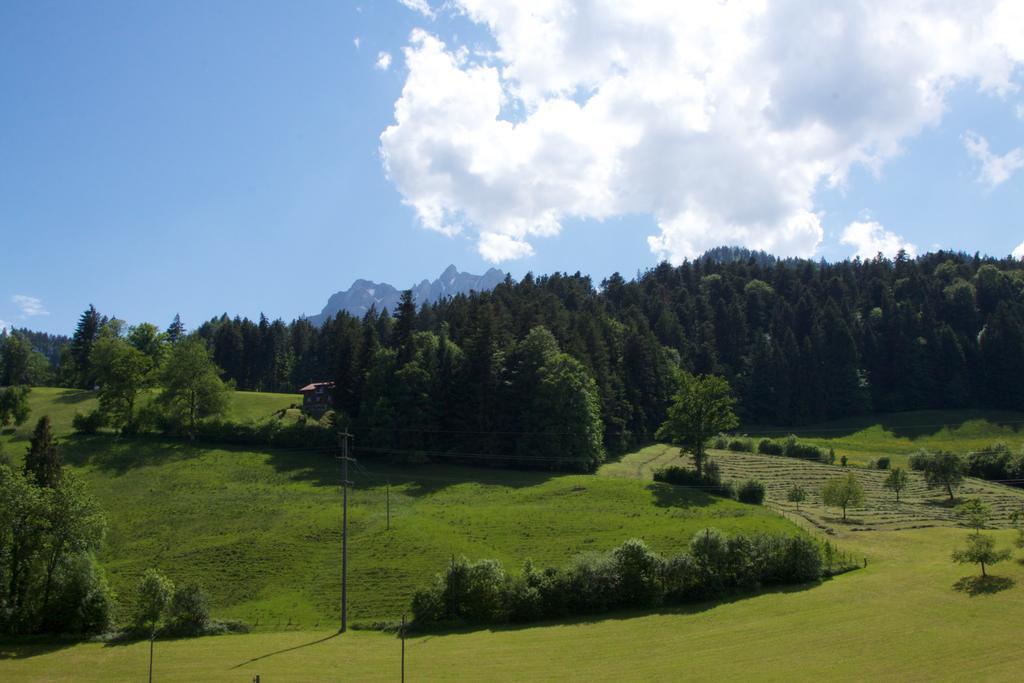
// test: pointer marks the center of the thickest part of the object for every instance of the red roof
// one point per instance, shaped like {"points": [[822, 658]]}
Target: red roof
{"points": [[314, 385]]}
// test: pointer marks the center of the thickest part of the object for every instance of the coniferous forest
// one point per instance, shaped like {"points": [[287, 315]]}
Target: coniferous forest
{"points": [[564, 368]]}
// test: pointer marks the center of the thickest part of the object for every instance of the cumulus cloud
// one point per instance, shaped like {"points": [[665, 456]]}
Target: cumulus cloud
{"points": [[383, 61], [356, 41], [995, 169], [870, 238], [718, 119], [1019, 251], [29, 306], [1020, 112], [420, 6]]}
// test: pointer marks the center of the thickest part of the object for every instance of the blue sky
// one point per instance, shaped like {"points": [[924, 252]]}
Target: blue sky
{"points": [[201, 157]]}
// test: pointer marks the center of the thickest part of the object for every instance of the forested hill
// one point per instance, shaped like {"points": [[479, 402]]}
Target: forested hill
{"points": [[799, 340], [556, 365]]}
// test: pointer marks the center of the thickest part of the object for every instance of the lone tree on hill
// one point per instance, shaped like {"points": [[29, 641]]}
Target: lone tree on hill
{"points": [[897, 480], [944, 470], [981, 549], [797, 494], [843, 492], [42, 461], [702, 407]]}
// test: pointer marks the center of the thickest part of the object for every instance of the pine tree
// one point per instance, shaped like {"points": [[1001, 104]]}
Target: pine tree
{"points": [[43, 461], [86, 333], [176, 330]]}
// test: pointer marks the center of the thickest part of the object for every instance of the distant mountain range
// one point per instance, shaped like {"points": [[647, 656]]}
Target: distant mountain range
{"points": [[357, 299]]}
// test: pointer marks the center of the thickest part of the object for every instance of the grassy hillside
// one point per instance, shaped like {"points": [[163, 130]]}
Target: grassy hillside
{"points": [[262, 530], [62, 404], [907, 616], [897, 435]]}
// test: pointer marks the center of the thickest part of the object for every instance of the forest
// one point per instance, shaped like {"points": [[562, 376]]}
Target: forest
{"points": [[560, 367]]}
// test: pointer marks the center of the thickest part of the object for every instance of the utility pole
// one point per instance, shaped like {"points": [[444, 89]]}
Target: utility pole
{"points": [[388, 490], [403, 648], [345, 483]]}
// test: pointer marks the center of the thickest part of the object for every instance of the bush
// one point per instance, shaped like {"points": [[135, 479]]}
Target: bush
{"points": [[88, 423], [720, 442], [769, 447], [883, 463], [630, 576], [638, 572], [752, 491], [919, 460], [189, 612], [794, 449], [741, 446], [711, 482]]}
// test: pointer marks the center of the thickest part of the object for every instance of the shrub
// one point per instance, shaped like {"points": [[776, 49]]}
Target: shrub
{"points": [[88, 423], [629, 576], [752, 491], [768, 447], [189, 612], [919, 460], [883, 463], [711, 482], [638, 572], [794, 449], [741, 446], [720, 442]]}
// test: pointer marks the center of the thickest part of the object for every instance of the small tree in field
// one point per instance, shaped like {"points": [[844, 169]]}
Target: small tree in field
{"points": [[797, 494], [897, 480], [981, 549], [702, 407], [843, 492], [154, 597], [975, 513]]}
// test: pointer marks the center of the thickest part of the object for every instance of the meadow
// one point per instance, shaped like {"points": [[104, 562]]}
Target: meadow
{"points": [[866, 438], [907, 616], [261, 530]]}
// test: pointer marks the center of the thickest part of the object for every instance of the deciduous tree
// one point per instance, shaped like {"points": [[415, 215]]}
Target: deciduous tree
{"points": [[703, 406], [843, 492]]}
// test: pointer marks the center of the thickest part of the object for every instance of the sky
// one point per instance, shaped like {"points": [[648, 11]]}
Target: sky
{"points": [[248, 157]]}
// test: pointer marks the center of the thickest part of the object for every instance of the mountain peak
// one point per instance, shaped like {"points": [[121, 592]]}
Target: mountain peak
{"points": [[363, 294]]}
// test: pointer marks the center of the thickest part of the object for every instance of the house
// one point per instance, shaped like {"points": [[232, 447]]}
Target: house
{"points": [[317, 398]]}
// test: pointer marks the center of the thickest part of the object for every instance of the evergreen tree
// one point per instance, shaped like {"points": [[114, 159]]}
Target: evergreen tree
{"points": [[43, 463], [86, 333]]}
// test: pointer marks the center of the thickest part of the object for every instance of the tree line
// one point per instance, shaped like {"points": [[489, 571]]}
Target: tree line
{"points": [[511, 372]]}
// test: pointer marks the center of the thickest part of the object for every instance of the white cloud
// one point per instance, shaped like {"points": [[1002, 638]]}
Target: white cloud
{"points": [[869, 238], [29, 305], [720, 120], [995, 169], [4, 325], [1020, 112], [1019, 251], [356, 41], [420, 6], [383, 61]]}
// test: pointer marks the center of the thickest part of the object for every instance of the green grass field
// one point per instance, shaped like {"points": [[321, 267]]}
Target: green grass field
{"points": [[907, 616], [62, 404], [261, 529], [896, 435]]}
